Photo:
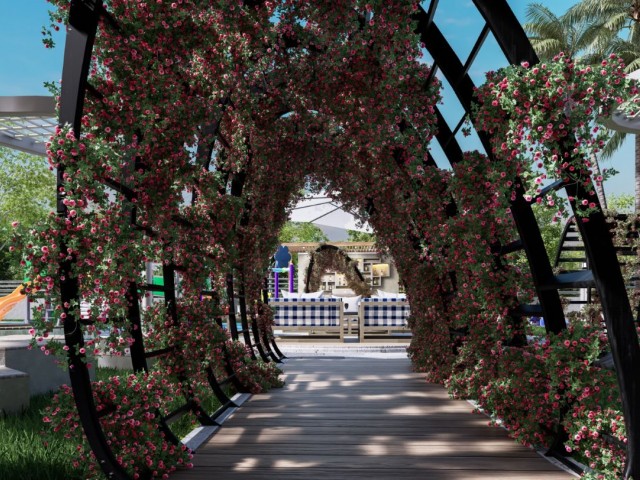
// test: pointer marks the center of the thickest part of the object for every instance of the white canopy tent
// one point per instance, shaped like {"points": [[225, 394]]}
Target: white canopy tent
{"points": [[328, 215]]}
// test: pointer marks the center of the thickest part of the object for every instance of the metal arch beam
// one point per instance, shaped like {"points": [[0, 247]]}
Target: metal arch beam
{"points": [[603, 261], [618, 316], [83, 24], [447, 140], [507, 31], [452, 68]]}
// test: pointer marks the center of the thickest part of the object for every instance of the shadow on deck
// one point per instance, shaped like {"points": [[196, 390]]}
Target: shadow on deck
{"points": [[361, 418]]}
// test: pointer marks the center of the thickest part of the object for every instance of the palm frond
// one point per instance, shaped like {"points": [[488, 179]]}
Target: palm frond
{"points": [[539, 14], [613, 144], [546, 48], [617, 22], [594, 10], [555, 30]]}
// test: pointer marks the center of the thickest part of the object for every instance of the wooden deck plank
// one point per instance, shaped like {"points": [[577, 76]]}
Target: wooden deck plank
{"points": [[322, 473], [358, 419], [346, 449]]}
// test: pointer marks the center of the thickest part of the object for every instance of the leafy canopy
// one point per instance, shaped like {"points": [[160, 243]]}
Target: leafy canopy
{"points": [[301, 232], [27, 195]]}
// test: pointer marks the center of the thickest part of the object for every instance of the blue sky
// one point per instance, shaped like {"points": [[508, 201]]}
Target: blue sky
{"points": [[25, 64]]}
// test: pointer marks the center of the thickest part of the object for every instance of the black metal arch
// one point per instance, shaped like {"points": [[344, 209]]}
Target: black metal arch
{"points": [[84, 16], [604, 275]]}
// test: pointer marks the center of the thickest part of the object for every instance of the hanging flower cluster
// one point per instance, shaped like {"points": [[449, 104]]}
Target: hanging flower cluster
{"points": [[131, 405], [543, 120]]}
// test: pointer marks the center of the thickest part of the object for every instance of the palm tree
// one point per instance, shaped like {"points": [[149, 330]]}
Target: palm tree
{"points": [[551, 34], [616, 26]]}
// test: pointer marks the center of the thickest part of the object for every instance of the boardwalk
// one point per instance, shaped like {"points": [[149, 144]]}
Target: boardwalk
{"points": [[361, 418]]}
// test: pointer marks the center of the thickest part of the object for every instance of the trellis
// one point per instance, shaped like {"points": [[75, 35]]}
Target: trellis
{"points": [[605, 276]]}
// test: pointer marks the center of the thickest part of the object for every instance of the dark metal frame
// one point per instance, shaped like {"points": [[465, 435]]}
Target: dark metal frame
{"points": [[84, 16], [605, 272]]}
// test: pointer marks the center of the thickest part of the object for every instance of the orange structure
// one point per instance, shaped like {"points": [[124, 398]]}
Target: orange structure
{"points": [[9, 301]]}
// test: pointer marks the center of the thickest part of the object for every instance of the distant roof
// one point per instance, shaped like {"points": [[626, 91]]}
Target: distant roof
{"points": [[300, 247], [27, 122], [621, 120], [326, 212]]}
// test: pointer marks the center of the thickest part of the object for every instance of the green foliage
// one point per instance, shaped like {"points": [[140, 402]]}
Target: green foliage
{"points": [[551, 34], [27, 195], [621, 203], [550, 230], [356, 236], [30, 451], [301, 232]]}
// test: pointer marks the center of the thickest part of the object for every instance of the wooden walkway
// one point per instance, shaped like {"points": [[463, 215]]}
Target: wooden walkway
{"points": [[361, 418]]}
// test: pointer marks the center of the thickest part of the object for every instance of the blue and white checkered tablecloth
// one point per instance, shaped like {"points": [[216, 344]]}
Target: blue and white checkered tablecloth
{"points": [[385, 312], [309, 312]]}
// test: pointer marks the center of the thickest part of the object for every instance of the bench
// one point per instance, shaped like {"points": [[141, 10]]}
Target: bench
{"points": [[312, 317], [383, 317]]}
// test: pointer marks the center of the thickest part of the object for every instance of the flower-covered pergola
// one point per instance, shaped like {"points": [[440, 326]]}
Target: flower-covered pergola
{"points": [[189, 128]]}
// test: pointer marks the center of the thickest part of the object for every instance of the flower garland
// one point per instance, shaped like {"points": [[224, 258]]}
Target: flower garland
{"points": [[133, 404], [543, 121]]}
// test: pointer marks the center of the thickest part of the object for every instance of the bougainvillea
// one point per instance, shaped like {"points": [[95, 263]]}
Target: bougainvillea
{"points": [[132, 405], [205, 123], [544, 120]]}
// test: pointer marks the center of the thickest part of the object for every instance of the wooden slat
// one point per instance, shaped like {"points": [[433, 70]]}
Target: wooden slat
{"points": [[361, 419], [324, 473]]}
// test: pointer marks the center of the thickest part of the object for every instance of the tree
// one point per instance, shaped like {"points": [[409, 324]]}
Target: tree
{"points": [[551, 34], [622, 203], [356, 236], [550, 230], [301, 232], [27, 195]]}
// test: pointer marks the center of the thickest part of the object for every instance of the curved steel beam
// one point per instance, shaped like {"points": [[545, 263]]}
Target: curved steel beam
{"points": [[458, 77], [83, 23], [601, 254]]}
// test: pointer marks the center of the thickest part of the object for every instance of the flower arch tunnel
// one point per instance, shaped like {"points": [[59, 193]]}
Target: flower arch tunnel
{"points": [[187, 129]]}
